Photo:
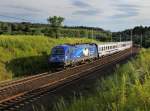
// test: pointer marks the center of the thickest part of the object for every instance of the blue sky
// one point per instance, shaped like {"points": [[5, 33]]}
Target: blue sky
{"points": [[114, 15]]}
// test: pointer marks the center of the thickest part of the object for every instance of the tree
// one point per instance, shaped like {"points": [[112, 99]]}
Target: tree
{"points": [[56, 23]]}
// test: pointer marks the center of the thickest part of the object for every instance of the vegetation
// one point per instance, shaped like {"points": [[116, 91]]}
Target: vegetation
{"points": [[55, 23], [141, 35], [128, 89], [49, 30], [25, 55]]}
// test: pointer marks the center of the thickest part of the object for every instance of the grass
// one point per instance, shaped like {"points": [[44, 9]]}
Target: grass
{"points": [[25, 55], [128, 89]]}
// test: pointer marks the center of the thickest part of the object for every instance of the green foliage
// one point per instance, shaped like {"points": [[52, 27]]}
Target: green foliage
{"points": [[128, 89], [25, 55], [53, 29], [141, 35], [55, 23]]}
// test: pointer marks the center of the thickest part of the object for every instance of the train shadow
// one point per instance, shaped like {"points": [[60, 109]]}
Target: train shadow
{"points": [[28, 65]]}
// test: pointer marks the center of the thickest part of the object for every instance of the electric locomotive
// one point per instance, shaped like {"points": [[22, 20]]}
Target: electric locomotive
{"points": [[65, 55]]}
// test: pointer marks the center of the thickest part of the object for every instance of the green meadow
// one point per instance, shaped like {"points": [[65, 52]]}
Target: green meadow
{"points": [[23, 55], [127, 89]]}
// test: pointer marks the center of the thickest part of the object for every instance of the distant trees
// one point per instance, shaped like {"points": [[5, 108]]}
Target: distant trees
{"points": [[141, 35], [54, 29], [56, 23]]}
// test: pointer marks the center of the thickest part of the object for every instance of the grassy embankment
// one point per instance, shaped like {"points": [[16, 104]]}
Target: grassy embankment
{"points": [[128, 89], [25, 55]]}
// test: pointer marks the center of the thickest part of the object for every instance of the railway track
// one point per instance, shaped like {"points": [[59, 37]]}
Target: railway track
{"points": [[26, 90]]}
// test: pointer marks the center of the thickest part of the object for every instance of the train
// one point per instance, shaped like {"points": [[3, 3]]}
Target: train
{"points": [[69, 55]]}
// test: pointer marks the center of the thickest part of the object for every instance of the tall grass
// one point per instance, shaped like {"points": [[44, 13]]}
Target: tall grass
{"points": [[128, 89], [24, 55]]}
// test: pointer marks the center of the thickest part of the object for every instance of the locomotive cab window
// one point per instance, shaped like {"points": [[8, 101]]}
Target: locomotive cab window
{"points": [[58, 51]]}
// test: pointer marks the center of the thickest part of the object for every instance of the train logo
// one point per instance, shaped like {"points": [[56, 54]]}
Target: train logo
{"points": [[86, 52]]}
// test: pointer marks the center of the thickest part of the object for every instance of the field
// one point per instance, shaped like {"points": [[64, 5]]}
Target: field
{"points": [[127, 89], [25, 55]]}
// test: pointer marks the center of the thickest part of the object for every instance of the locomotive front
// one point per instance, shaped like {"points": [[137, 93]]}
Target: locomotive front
{"points": [[57, 57]]}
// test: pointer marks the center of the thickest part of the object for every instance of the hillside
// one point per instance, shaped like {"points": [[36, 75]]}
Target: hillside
{"points": [[26, 28], [25, 55], [128, 89]]}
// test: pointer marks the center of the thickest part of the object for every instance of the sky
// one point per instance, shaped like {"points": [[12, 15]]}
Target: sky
{"points": [[113, 15]]}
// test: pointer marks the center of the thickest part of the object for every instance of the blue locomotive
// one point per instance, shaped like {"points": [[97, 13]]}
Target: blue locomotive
{"points": [[65, 55]]}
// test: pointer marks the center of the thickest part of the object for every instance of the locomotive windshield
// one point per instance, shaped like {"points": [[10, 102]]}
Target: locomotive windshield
{"points": [[58, 51]]}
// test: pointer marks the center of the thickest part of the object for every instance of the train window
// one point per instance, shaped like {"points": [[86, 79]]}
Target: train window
{"points": [[100, 48], [58, 51]]}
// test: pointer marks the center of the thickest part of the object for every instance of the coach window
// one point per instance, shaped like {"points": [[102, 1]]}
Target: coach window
{"points": [[100, 49]]}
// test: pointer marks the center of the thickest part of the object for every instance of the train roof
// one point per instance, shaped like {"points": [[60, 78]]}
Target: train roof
{"points": [[107, 43], [101, 43]]}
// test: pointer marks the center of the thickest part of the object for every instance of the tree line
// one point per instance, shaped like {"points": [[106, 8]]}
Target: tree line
{"points": [[54, 29], [140, 35]]}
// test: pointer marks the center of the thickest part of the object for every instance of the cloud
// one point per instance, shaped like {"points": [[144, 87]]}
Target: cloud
{"points": [[24, 8], [126, 10], [87, 12], [84, 9], [81, 4]]}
